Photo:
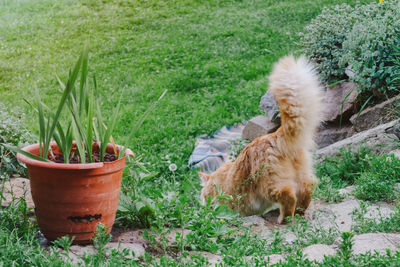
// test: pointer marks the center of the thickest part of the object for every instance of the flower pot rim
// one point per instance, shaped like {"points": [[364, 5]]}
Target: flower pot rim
{"points": [[66, 166]]}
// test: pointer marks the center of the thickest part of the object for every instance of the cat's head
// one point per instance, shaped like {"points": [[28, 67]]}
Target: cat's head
{"points": [[207, 185]]}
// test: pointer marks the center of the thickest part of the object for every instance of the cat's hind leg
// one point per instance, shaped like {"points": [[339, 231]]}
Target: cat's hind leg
{"points": [[286, 197]]}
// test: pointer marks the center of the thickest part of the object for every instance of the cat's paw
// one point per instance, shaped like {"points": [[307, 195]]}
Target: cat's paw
{"points": [[281, 219]]}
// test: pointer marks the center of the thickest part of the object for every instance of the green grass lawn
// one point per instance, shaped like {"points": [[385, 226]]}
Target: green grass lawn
{"points": [[212, 56]]}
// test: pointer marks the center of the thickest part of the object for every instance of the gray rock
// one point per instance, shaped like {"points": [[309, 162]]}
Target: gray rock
{"points": [[213, 259], [72, 259], [330, 135], [288, 237], [339, 215], [258, 126], [344, 93], [135, 250], [130, 236], [378, 139], [69, 257], [83, 250], [317, 252], [175, 234], [376, 115], [379, 210], [347, 190], [252, 220], [270, 107], [342, 215], [375, 242], [396, 153], [274, 259], [263, 232], [15, 189]]}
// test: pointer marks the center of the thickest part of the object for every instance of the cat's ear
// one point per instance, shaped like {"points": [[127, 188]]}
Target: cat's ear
{"points": [[204, 178]]}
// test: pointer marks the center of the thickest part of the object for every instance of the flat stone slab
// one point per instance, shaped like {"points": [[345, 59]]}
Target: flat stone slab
{"points": [[83, 250], [375, 242], [175, 235], [396, 153], [339, 215], [128, 236], [15, 189], [378, 139], [273, 259], [252, 221], [213, 259], [135, 250], [317, 252]]}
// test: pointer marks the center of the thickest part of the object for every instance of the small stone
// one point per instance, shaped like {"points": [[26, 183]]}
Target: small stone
{"points": [[289, 237], [135, 250], [130, 236], [252, 221], [378, 114], [379, 210], [340, 101], [274, 259], [15, 189], [83, 250], [213, 259], [174, 233], [347, 190], [69, 257], [72, 258], [375, 242], [396, 153], [317, 252], [258, 126]]}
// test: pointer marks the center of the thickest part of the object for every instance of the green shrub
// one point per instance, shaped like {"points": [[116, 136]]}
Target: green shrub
{"points": [[378, 180], [12, 132], [359, 43], [323, 39], [369, 46], [374, 176], [373, 186], [344, 170]]}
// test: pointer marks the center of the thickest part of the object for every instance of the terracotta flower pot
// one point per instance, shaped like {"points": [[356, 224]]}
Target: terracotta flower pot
{"points": [[71, 199]]}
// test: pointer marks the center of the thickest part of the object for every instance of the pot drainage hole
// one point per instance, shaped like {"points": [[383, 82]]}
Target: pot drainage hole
{"points": [[85, 219]]}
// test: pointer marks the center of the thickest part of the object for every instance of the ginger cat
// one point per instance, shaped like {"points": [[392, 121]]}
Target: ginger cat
{"points": [[276, 168]]}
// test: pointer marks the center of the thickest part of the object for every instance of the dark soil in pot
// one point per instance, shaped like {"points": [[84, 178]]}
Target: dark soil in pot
{"points": [[74, 158]]}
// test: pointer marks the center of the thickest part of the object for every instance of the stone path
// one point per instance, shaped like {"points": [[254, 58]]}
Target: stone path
{"points": [[322, 216]]}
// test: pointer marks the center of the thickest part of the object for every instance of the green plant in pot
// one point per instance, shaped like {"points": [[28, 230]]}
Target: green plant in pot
{"points": [[76, 168]]}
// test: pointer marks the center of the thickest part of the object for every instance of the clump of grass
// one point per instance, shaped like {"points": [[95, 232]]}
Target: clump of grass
{"points": [[374, 176], [383, 224]]}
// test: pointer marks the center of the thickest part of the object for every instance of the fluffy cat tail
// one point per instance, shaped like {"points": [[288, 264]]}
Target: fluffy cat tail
{"points": [[296, 87]]}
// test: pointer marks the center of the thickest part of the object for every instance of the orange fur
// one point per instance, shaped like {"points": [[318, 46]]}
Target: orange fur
{"points": [[276, 168]]}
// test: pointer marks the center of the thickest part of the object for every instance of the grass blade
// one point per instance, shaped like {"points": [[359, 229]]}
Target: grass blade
{"points": [[139, 123]]}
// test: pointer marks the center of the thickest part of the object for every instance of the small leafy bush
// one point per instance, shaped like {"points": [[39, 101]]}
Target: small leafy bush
{"points": [[372, 186], [357, 43], [369, 46], [344, 170], [377, 182], [323, 40], [12, 132], [374, 176]]}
